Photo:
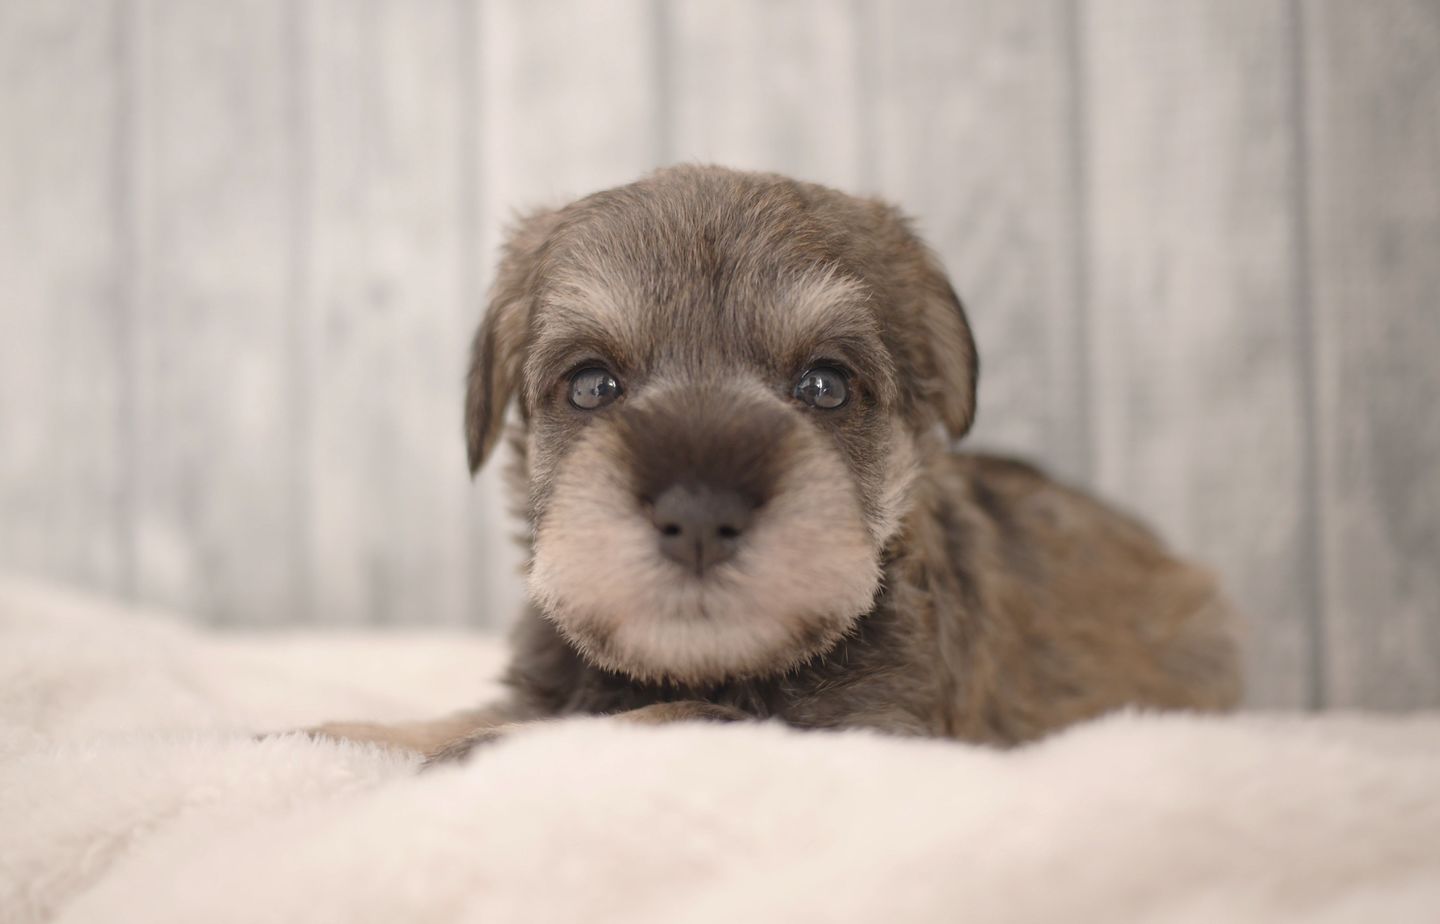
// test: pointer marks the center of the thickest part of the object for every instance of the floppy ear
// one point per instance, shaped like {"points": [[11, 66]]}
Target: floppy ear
{"points": [[498, 352], [953, 364]]}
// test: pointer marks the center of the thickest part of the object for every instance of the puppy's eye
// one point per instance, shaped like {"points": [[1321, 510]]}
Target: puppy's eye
{"points": [[823, 387], [593, 388]]}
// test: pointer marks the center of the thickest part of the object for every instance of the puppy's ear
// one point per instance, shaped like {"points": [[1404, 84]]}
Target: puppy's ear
{"points": [[498, 352], [954, 365]]}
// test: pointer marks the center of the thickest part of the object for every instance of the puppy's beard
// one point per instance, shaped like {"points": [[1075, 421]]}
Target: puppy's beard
{"points": [[806, 571]]}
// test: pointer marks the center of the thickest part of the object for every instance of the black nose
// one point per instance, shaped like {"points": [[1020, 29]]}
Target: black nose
{"points": [[700, 527]]}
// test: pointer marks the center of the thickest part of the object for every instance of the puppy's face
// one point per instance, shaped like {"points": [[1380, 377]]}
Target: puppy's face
{"points": [[723, 379]]}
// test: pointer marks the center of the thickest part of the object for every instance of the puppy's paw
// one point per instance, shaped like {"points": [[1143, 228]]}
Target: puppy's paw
{"points": [[460, 748], [682, 711], [389, 736]]}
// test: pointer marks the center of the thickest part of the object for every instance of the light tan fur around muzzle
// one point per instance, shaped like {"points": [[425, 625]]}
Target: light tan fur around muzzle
{"points": [[806, 570]]}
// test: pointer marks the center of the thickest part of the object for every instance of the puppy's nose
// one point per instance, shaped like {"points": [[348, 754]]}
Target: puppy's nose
{"points": [[700, 527]]}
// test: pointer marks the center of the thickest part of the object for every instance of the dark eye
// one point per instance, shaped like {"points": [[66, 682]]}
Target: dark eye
{"points": [[823, 387], [593, 388]]}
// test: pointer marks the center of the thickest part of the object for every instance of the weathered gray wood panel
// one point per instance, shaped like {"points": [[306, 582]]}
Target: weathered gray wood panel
{"points": [[558, 114], [243, 247], [1198, 409], [217, 441], [973, 135], [1373, 156], [63, 319], [766, 85], [383, 343]]}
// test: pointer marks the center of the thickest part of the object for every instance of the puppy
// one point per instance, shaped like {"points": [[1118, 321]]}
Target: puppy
{"points": [[733, 395]]}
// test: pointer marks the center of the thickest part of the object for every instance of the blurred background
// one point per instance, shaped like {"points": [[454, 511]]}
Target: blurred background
{"points": [[243, 246]]}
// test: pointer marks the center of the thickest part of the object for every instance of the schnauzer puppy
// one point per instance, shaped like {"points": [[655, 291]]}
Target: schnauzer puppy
{"points": [[733, 394]]}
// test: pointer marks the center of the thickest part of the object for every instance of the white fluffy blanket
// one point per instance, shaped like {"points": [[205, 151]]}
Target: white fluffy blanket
{"points": [[131, 790]]}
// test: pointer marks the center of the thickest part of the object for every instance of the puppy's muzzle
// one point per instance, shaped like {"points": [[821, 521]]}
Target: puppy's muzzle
{"points": [[704, 463], [700, 526]]}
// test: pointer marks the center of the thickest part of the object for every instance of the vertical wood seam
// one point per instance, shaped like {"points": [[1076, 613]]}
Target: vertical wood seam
{"points": [[125, 228], [299, 225], [472, 132], [468, 234], [1313, 521], [662, 39], [1078, 129], [866, 107]]}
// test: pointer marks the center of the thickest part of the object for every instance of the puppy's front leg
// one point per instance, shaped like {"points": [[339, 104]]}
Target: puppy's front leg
{"points": [[685, 710], [653, 714], [422, 737]]}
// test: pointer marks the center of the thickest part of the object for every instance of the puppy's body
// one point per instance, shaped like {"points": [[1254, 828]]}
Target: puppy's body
{"points": [[739, 505], [1011, 606]]}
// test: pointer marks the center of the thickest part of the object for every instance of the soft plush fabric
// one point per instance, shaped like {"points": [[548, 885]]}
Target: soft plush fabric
{"points": [[132, 789]]}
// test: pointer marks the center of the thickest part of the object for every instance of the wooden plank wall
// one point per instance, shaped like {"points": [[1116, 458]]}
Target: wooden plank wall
{"points": [[242, 247], [1195, 338], [1372, 139]]}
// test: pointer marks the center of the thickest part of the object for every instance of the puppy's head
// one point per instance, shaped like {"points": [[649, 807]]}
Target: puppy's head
{"points": [[723, 382]]}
